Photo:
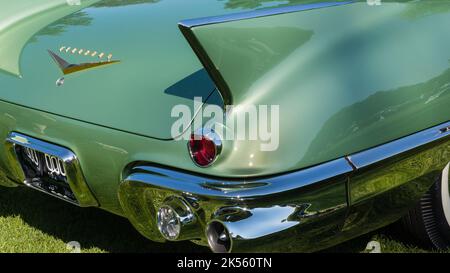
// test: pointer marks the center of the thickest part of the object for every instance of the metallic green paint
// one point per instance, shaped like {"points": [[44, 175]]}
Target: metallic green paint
{"points": [[20, 20], [360, 75], [136, 95]]}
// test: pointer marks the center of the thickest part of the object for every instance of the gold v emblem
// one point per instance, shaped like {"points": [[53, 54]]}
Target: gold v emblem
{"points": [[68, 68]]}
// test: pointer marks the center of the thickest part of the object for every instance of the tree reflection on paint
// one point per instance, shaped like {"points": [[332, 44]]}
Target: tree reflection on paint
{"points": [[383, 110], [81, 18], [420, 8], [117, 3]]}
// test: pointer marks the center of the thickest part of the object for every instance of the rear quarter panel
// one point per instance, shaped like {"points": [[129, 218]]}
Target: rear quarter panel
{"points": [[346, 77]]}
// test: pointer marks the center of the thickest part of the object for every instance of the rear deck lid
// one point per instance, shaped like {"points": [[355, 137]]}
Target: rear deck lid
{"points": [[157, 69]]}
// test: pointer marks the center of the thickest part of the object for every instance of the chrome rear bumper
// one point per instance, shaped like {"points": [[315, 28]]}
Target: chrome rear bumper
{"points": [[251, 208], [301, 211]]}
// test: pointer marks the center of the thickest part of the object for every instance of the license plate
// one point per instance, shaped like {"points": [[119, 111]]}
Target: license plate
{"points": [[48, 168], [45, 172]]}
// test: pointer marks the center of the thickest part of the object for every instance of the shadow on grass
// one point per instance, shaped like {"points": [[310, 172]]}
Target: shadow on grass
{"points": [[95, 228], [91, 227], [392, 239]]}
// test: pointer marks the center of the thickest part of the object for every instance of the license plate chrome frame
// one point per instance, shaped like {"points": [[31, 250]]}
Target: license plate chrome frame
{"points": [[73, 174]]}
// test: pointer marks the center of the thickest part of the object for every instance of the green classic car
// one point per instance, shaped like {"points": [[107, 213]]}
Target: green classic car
{"points": [[248, 126]]}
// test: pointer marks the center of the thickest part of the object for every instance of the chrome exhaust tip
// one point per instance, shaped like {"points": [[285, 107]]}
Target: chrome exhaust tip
{"points": [[176, 220], [237, 229], [218, 237]]}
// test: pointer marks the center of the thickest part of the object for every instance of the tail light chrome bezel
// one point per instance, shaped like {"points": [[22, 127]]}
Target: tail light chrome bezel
{"points": [[210, 135]]}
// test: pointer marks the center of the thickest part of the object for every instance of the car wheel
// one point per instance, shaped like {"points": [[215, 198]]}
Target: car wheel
{"points": [[429, 221]]}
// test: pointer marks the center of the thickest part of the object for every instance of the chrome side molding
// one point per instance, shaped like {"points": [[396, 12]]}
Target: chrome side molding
{"points": [[190, 23], [397, 147]]}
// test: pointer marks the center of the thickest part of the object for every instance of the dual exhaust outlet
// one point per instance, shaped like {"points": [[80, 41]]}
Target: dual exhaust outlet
{"points": [[232, 229], [177, 222]]}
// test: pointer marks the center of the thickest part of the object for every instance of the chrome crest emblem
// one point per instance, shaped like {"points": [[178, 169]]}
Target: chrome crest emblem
{"points": [[69, 68]]}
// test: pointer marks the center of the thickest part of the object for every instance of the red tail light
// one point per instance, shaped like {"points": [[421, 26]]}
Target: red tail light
{"points": [[204, 147]]}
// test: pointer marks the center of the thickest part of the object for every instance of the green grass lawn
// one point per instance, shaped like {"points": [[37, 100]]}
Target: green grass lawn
{"points": [[34, 222]]}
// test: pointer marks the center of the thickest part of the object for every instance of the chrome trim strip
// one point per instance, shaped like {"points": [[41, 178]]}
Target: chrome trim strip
{"points": [[397, 147], [190, 23], [40, 145], [74, 175], [242, 189]]}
